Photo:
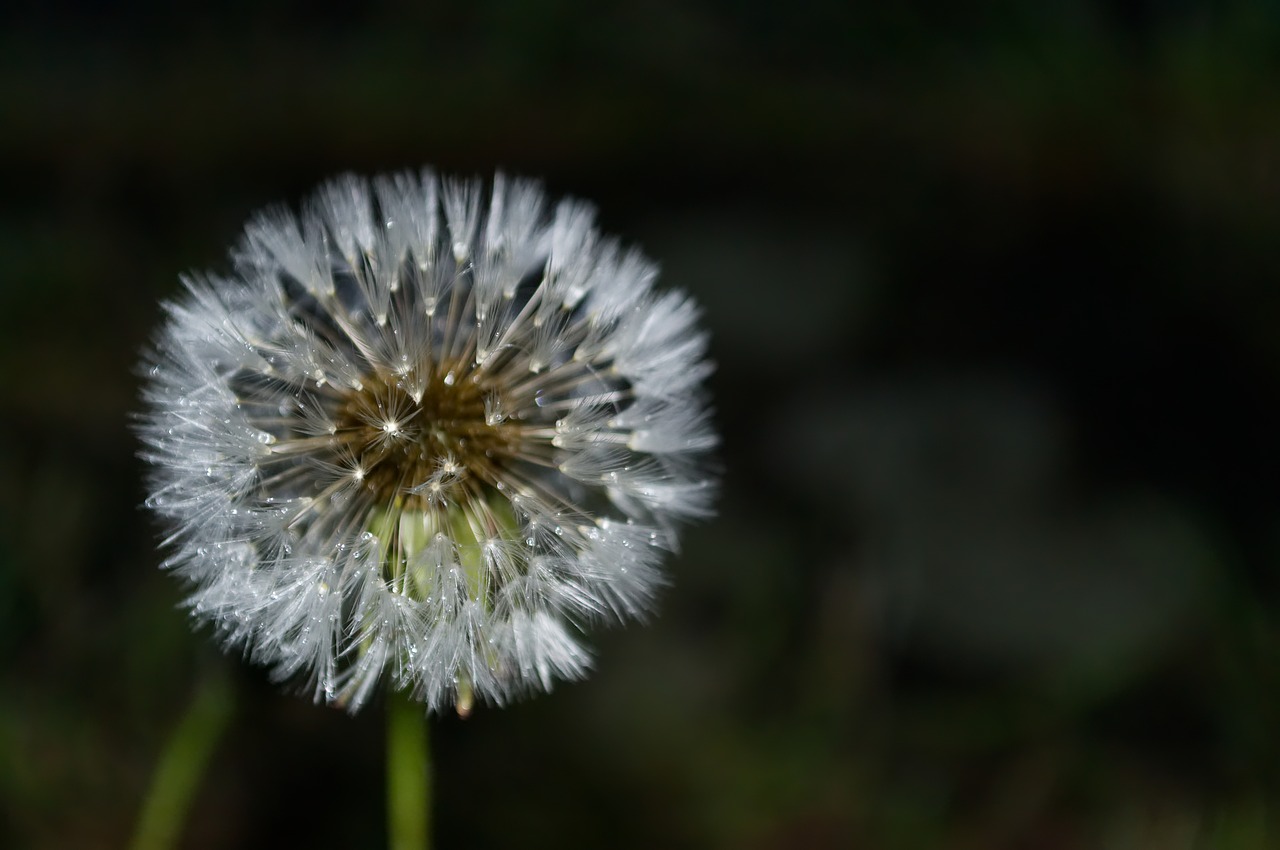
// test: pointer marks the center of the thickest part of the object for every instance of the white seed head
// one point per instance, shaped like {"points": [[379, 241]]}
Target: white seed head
{"points": [[421, 438]]}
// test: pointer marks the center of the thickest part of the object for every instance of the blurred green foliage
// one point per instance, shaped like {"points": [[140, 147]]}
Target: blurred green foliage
{"points": [[994, 290]]}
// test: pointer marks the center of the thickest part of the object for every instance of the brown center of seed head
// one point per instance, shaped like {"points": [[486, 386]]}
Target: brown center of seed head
{"points": [[401, 441]]}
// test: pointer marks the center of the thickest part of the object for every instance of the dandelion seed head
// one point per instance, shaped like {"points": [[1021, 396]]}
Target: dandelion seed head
{"points": [[425, 433]]}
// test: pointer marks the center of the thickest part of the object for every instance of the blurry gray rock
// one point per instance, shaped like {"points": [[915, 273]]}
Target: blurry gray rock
{"points": [[974, 543]]}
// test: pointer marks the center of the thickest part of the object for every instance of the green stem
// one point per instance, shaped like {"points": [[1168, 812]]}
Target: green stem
{"points": [[181, 765], [408, 775]]}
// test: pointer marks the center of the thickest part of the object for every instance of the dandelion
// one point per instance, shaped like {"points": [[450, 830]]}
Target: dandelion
{"points": [[421, 438]]}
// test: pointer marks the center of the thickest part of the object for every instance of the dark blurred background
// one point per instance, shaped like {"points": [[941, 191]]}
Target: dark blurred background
{"points": [[994, 295]]}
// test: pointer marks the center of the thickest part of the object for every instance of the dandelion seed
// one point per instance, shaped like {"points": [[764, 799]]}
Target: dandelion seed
{"points": [[421, 439]]}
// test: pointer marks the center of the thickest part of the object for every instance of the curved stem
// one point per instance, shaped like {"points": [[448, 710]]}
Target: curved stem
{"points": [[182, 764], [408, 775]]}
